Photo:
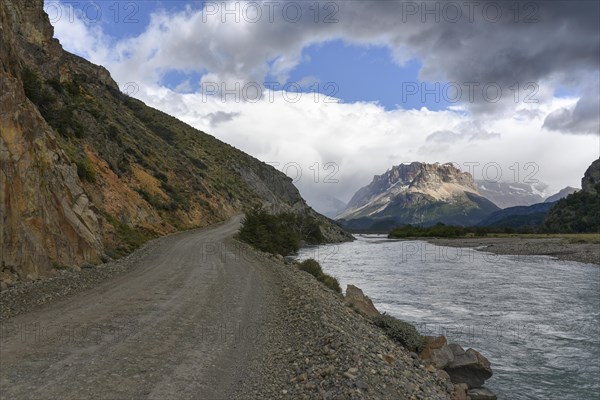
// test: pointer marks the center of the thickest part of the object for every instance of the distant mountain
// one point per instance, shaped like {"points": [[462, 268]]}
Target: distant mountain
{"points": [[325, 204], [416, 193], [561, 194], [580, 211], [511, 194], [518, 217]]}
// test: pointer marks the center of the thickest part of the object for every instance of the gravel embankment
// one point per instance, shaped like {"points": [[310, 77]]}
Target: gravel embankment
{"points": [[559, 248], [28, 295], [319, 348]]}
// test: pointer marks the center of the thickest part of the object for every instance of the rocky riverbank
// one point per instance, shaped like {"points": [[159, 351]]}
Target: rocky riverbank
{"points": [[327, 347], [560, 248]]}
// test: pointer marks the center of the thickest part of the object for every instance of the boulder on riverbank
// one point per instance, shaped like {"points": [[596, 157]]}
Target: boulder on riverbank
{"points": [[468, 370], [436, 351], [468, 367], [359, 301]]}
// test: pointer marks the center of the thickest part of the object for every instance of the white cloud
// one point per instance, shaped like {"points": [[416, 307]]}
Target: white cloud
{"points": [[362, 139]]}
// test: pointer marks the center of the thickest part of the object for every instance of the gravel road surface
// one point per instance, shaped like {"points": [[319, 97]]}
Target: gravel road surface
{"points": [[198, 315]]}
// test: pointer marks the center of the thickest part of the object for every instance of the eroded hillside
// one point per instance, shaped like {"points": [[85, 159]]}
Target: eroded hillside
{"points": [[88, 171]]}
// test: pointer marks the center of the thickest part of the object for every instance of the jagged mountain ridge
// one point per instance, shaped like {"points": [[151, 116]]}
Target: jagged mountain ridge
{"points": [[570, 210], [511, 194], [417, 193], [86, 169]]}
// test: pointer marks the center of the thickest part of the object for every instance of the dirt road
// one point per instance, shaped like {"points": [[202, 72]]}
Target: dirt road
{"points": [[182, 324], [199, 316]]}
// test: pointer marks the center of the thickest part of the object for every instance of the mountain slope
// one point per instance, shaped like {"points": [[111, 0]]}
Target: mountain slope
{"points": [[417, 193], [561, 194], [518, 217], [325, 204], [580, 211], [87, 170], [512, 194]]}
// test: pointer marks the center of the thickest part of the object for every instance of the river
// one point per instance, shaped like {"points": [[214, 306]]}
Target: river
{"points": [[535, 318]]}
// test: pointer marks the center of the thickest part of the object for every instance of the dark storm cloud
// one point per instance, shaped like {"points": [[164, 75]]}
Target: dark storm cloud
{"points": [[562, 37], [583, 118], [220, 117], [497, 53], [501, 43]]}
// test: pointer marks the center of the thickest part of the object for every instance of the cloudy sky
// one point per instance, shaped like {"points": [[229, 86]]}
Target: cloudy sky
{"points": [[334, 92]]}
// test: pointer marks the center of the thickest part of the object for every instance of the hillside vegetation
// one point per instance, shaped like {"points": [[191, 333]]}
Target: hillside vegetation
{"points": [[580, 211], [88, 172]]}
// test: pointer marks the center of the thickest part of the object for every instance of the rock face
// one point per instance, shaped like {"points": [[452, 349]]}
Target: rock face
{"points": [[417, 193], [357, 299], [45, 214], [468, 367], [591, 178], [87, 170], [460, 392], [437, 352]]}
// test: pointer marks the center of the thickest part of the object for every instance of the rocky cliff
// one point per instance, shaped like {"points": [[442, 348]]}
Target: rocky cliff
{"points": [[88, 172], [591, 178], [417, 193]]}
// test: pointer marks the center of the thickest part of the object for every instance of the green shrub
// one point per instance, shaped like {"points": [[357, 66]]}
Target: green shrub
{"points": [[112, 131], [441, 230], [400, 331], [130, 237], [85, 170], [36, 92], [32, 85], [179, 198], [331, 282], [281, 233], [269, 233], [314, 268]]}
